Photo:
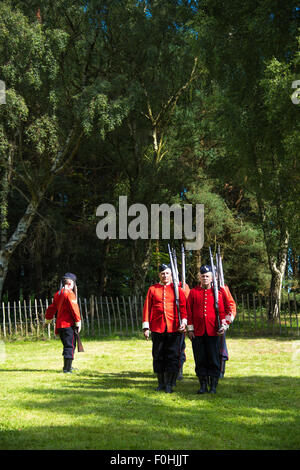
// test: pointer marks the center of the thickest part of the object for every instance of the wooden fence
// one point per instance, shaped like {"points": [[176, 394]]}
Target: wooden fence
{"points": [[252, 315], [100, 316], [106, 316]]}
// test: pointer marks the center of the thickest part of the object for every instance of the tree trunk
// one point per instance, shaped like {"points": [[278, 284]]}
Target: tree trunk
{"points": [[4, 261], [277, 267], [276, 243], [19, 234], [103, 268], [141, 257], [275, 295]]}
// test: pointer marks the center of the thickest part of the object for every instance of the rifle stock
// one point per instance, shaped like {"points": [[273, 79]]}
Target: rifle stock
{"points": [[79, 343]]}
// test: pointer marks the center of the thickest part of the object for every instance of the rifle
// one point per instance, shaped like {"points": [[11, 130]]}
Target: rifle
{"points": [[79, 343], [215, 288], [222, 339], [183, 265], [173, 262], [220, 268]]}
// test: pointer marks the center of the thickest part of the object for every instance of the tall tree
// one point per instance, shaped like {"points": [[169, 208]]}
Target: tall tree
{"points": [[240, 43], [54, 98]]}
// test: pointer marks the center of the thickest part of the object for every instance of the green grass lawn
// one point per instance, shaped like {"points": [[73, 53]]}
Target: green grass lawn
{"points": [[111, 403]]}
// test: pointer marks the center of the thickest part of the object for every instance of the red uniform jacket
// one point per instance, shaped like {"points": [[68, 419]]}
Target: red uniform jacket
{"points": [[186, 289], [66, 306], [160, 309], [201, 311]]}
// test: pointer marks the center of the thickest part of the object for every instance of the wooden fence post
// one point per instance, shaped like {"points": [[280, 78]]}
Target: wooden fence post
{"points": [[126, 322], [131, 317], [48, 326], [20, 317], [26, 323], [97, 314], [30, 315], [15, 318], [119, 313], [4, 323], [108, 312], [92, 310], [254, 309], [289, 309], [142, 307], [37, 319], [296, 313], [136, 313], [9, 320], [102, 314], [114, 314], [86, 316]]}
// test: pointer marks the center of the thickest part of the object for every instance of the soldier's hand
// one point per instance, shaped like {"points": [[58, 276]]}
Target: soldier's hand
{"points": [[47, 322], [78, 326], [182, 327], [223, 328], [146, 333], [191, 335]]}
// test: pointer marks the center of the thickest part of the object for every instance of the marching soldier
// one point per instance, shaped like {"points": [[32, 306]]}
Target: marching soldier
{"points": [[203, 330], [161, 318], [68, 317]]}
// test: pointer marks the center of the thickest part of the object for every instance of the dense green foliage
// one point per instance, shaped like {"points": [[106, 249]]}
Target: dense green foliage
{"points": [[162, 102]]}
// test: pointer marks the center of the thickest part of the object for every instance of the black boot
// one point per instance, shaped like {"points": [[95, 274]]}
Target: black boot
{"points": [[67, 365], [161, 381], [174, 380], [203, 385], [170, 377], [213, 384]]}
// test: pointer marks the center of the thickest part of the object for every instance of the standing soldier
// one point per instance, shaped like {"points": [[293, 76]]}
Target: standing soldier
{"points": [[203, 330], [68, 317], [160, 316]]}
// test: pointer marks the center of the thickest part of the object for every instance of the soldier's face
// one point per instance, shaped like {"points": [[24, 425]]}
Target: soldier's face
{"points": [[69, 284], [165, 276], [206, 280]]}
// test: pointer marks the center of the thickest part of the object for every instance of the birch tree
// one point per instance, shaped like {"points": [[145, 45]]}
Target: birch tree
{"points": [[55, 99]]}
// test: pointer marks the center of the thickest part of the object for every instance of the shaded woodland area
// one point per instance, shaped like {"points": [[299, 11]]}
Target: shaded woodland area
{"points": [[163, 102]]}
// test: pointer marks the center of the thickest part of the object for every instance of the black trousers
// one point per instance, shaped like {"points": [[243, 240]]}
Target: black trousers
{"points": [[206, 353], [182, 350], [166, 352], [68, 339]]}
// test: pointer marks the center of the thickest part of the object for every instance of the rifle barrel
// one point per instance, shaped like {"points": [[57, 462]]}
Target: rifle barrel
{"points": [[173, 262], [183, 265], [215, 288]]}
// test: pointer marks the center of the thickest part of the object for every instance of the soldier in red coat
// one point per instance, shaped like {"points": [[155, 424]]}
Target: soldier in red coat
{"points": [[160, 316], [203, 330], [68, 317]]}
